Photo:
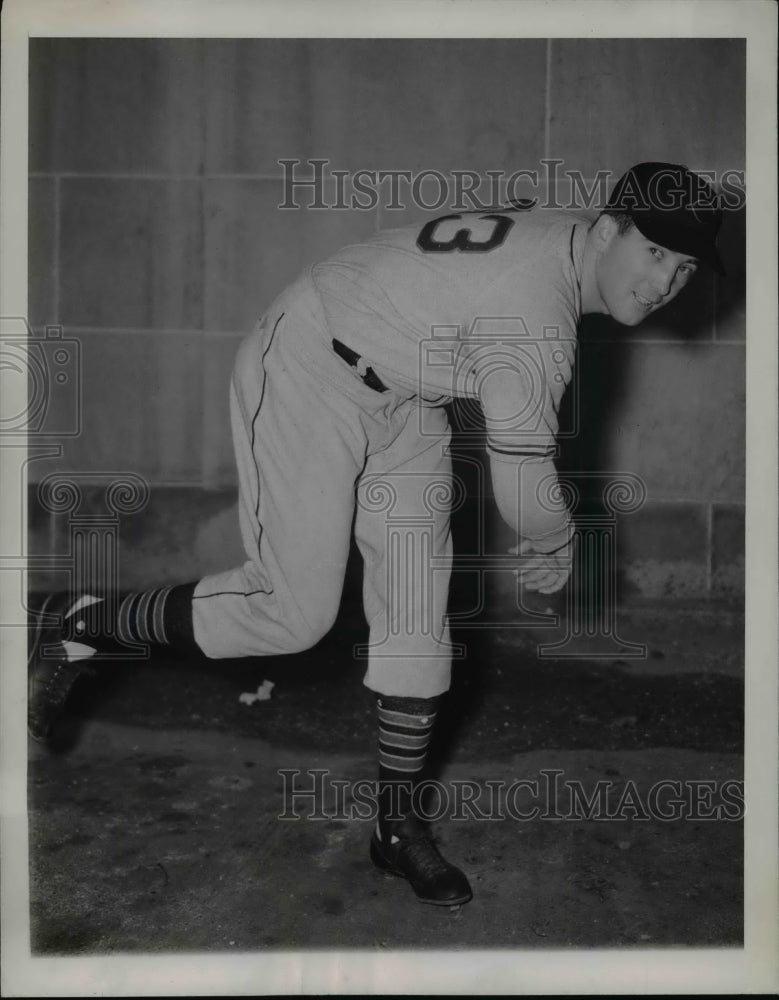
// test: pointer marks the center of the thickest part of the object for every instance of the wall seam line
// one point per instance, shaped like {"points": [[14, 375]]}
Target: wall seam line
{"points": [[548, 98]]}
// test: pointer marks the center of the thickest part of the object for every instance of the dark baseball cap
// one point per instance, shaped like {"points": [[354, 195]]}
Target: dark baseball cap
{"points": [[673, 207]]}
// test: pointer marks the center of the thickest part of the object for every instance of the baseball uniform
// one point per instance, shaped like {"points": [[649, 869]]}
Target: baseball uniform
{"points": [[483, 306]]}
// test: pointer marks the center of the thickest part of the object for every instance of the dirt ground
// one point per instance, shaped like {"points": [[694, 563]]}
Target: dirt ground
{"points": [[154, 817]]}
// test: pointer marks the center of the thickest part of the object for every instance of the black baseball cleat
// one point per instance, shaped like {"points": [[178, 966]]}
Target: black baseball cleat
{"points": [[51, 671], [417, 859]]}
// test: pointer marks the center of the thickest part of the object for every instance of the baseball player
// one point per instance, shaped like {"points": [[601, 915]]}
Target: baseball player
{"points": [[339, 424]]}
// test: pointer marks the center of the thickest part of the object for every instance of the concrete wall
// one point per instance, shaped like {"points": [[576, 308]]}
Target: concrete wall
{"points": [[155, 240]]}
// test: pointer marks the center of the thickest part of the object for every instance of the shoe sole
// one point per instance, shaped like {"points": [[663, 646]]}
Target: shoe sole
{"points": [[34, 653], [40, 627], [388, 868]]}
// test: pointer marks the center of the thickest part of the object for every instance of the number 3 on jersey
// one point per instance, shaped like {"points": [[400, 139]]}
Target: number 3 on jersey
{"points": [[496, 234]]}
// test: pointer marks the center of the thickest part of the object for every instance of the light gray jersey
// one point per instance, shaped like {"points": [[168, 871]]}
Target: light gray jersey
{"points": [[482, 305]]}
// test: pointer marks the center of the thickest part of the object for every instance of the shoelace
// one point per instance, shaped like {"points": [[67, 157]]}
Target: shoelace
{"points": [[423, 854]]}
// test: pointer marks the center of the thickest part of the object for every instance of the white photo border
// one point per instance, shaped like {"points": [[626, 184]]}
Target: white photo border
{"points": [[753, 969]]}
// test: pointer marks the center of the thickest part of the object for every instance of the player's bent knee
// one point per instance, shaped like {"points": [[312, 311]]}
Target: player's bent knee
{"points": [[303, 634], [305, 638], [283, 626]]}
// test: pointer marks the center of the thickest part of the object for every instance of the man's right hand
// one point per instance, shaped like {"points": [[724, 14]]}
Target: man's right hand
{"points": [[547, 572]]}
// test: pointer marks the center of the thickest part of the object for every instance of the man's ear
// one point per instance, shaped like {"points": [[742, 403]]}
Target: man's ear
{"points": [[605, 230]]}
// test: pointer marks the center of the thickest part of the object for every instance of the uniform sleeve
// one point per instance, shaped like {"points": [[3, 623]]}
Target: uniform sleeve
{"points": [[520, 391], [520, 385], [528, 499]]}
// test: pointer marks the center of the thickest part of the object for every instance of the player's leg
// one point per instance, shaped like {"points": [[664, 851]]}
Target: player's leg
{"points": [[300, 445], [402, 528]]}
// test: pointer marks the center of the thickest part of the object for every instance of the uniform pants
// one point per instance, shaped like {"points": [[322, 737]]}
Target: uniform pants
{"points": [[320, 454]]}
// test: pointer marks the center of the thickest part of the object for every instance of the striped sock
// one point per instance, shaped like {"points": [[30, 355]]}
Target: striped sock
{"points": [[405, 731], [141, 617], [161, 617]]}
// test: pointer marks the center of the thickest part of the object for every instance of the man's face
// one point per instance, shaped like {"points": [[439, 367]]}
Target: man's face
{"points": [[636, 277]]}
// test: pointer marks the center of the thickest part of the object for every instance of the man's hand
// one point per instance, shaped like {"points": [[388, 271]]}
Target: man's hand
{"points": [[546, 572]]}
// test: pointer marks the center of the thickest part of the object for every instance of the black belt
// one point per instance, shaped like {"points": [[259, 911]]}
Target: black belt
{"points": [[369, 376]]}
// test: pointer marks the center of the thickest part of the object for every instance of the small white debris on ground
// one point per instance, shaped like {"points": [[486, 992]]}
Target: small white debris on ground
{"points": [[261, 694]]}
